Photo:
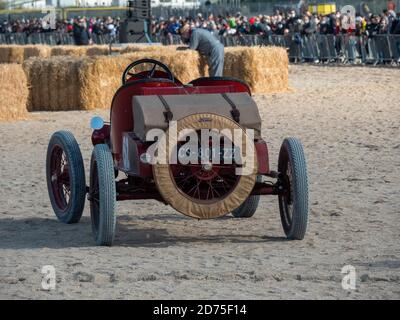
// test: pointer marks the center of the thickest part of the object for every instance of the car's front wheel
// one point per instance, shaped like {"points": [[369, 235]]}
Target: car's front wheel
{"points": [[65, 175], [293, 202], [102, 195]]}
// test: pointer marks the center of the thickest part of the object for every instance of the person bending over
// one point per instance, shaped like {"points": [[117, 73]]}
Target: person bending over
{"points": [[206, 44]]}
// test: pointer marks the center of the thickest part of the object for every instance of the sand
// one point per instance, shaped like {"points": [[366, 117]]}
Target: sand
{"points": [[349, 122]]}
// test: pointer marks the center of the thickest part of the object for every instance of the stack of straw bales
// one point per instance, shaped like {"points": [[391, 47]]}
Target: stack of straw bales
{"points": [[69, 50], [53, 83], [265, 69], [40, 51], [81, 51], [101, 50], [172, 49], [144, 47], [83, 83], [13, 92], [11, 54], [17, 54]]}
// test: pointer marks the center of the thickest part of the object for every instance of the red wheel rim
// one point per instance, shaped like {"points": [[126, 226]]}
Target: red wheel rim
{"points": [[208, 186], [60, 178], [205, 183], [286, 198]]}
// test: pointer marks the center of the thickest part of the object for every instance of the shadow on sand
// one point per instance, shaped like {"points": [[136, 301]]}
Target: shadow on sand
{"points": [[31, 233]]}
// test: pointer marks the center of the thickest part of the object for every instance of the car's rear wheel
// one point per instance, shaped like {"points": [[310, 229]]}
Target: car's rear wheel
{"points": [[293, 202], [65, 176], [102, 195], [249, 207]]}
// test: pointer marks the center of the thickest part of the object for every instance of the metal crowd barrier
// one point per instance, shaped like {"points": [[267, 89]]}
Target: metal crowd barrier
{"points": [[346, 49], [379, 49]]}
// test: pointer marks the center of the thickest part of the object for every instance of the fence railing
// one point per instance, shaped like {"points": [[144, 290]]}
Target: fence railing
{"points": [[50, 38], [331, 48], [345, 49], [313, 48]]}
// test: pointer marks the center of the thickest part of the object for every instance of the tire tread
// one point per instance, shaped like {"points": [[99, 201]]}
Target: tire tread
{"points": [[300, 180], [77, 176], [107, 195]]}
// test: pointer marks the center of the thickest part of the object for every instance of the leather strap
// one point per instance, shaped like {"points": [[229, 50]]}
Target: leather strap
{"points": [[168, 115], [235, 111]]}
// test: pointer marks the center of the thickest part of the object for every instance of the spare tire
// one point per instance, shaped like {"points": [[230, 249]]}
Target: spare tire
{"points": [[203, 191]]}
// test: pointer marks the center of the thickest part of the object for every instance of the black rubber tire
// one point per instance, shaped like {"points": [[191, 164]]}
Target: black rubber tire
{"points": [[292, 152], [70, 147], [102, 210], [248, 207]]}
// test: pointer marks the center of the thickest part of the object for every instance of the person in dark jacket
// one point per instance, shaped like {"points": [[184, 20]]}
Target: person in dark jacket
{"points": [[291, 21], [395, 27], [207, 45], [324, 25], [373, 27], [81, 33]]}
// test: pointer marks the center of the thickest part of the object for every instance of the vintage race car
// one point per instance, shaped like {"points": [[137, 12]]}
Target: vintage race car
{"points": [[196, 147]]}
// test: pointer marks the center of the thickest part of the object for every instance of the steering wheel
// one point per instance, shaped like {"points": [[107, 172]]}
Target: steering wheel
{"points": [[150, 73]]}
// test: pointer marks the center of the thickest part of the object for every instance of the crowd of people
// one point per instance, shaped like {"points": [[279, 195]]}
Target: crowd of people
{"points": [[96, 25], [388, 22], [80, 28], [279, 23]]}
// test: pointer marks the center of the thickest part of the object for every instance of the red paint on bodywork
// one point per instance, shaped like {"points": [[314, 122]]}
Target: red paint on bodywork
{"points": [[121, 108], [238, 86], [262, 156], [187, 90], [101, 135], [121, 112]]}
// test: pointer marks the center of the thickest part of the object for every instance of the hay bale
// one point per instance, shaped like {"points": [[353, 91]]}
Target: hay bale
{"points": [[69, 50], [58, 83], [102, 50], [80, 51], [11, 54], [265, 69], [4, 53], [84, 83], [98, 50], [27, 66], [13, 92], [41, 51], [53, 83], [144, 47], [101, 76], [18, 54], [185, 65]]}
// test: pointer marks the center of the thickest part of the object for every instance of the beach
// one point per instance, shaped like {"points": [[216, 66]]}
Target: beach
{"points": [[348, 119]]}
